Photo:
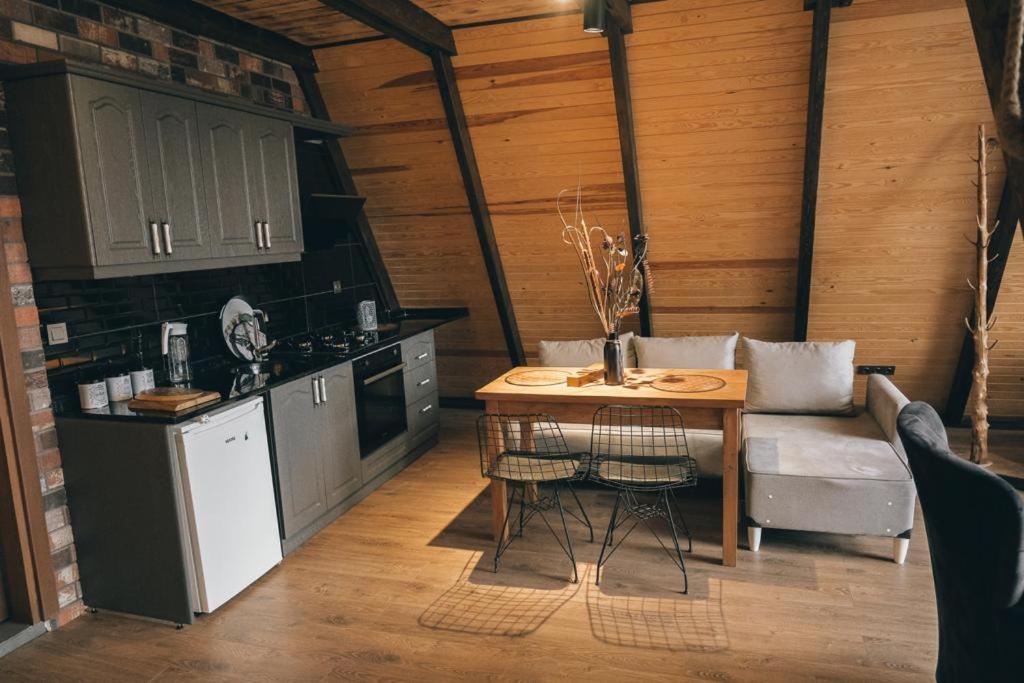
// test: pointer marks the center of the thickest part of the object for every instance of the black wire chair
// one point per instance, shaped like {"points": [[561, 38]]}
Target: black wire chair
{"points": [[528, 451], [642, 450]]}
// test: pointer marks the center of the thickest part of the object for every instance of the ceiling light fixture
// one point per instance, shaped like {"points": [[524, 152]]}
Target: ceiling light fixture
{"points": [[595, 16]]}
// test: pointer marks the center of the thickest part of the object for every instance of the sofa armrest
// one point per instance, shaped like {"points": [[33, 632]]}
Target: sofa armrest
{"points": [[885, 402]]}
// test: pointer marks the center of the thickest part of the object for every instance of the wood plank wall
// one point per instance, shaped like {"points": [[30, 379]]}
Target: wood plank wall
{"points": [[403, 161], [720, 96], [541, 109], [719, 92], [904, 97]]}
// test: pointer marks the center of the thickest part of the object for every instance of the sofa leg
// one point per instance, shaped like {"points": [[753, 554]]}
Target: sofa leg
{"points": [[899, 549], [754, 537]]}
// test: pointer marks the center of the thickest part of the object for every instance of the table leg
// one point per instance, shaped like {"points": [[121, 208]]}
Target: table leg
{"points": [[730, 484], [499, 509]]}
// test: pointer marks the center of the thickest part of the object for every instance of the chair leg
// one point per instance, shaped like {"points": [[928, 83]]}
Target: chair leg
{"points": [[568, 540], [675, 541], [502, 543], [754, 538], [900, 546], [607, 538], [586, 519], [522, 510], [682, 520]]}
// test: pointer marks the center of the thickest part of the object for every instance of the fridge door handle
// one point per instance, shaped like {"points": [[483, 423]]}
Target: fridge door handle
{"points": [[316, 392], [323, 389]]}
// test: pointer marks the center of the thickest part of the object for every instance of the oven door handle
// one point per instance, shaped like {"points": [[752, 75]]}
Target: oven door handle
{"points": [[381, 375]]}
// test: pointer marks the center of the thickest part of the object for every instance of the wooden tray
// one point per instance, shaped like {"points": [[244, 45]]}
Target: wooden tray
{"points": [[537, 378], [170, 394], [688, 384], [165, 405]]}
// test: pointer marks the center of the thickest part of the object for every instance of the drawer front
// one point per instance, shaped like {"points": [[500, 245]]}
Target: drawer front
{"points": [[423, 415], [420, 383], [418, 351]]}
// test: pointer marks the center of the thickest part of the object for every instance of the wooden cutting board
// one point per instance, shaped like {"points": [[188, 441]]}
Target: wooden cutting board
{"points": [[171, 400]]}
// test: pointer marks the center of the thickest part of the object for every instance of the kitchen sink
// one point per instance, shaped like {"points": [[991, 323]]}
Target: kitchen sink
{"points": [[268, 367]]}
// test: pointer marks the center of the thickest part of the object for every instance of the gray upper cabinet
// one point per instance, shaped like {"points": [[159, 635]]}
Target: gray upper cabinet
{"points": [[229, 164], [342, 468], [297, 427], [276, 196], [151, 178], [176, 176], [111, 134]]}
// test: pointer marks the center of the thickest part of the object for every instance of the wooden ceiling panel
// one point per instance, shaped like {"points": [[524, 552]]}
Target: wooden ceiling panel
{"points": [[312, 23]]}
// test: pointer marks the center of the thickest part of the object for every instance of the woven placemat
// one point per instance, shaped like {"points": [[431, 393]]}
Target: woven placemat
{"points": [[537, 378], [688, 384]]}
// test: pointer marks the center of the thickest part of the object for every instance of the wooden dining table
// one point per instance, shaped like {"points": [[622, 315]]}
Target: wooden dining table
{"points": [[718, 408]]}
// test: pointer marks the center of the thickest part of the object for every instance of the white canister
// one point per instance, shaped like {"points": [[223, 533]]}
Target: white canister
{"points": [[142, 380], [93, 395], [119, 388]]}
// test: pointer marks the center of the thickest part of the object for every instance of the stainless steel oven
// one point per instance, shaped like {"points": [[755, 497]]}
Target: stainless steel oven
{"points": [[380, 398]]}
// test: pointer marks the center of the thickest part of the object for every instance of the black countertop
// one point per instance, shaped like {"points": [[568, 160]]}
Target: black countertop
{"points": [[219, 374]]}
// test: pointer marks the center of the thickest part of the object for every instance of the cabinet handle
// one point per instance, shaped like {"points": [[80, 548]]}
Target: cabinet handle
{"points": [[422, 356], [426, 409], [423, 383], [323, 389], [154, 235], [168, 246], [259, 235], [316, 392], [266, 234]]}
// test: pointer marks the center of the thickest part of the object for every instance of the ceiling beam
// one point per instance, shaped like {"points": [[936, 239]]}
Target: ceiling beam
{"points": [[402, 20], [627, 146], [201, 20], [459, 127], [999, 250], [812, 164], [344, 181]]}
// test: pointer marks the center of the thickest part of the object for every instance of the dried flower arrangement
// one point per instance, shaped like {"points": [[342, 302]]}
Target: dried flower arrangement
{"points": [[614, 273]]}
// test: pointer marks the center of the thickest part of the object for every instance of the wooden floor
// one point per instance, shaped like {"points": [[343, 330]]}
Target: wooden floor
{"points": [[400, 589]]}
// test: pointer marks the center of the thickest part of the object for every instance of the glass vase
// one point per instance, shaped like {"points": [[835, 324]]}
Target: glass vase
{"points": [[613, 370]]}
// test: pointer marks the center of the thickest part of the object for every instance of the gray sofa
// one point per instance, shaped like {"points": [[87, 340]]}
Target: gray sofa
{"points": [[811, 460]]}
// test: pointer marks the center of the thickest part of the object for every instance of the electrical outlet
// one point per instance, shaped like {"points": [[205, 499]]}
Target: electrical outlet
{"points": [[337, 286], [57, 334], [888, 370]]}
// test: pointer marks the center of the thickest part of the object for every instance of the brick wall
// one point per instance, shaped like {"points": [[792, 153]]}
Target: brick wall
{"points": [[36, 31]]}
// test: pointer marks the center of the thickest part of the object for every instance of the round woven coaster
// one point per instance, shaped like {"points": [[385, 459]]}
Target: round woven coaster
{"points": [[537, 378], [688, 384]]}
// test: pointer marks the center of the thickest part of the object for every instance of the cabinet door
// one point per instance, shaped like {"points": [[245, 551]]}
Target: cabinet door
{"points": [[108, 118], [342, 467], [176, 175], [276, 194], [299, 441], [229, 173]]}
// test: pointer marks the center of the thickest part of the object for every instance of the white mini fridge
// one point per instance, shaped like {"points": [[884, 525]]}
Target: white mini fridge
{"points": [[228, 491]]}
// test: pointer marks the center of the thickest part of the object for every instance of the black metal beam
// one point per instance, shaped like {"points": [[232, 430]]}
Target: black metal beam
{"points": [[627, 146], [201, 20], [402, 20], [999, 250], [343, 179], [812, 160], [459, 127]]}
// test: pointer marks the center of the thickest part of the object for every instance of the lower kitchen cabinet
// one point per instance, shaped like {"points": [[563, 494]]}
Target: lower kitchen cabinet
{"points": [[317, 446]]}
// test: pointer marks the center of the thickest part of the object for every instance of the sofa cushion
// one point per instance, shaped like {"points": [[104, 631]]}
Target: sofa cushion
{"points": [[800, 377], [718, 353], [583, 352], [705, 446], [831, 474]]}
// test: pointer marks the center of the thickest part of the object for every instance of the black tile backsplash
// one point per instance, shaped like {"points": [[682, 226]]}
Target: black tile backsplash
{"points": [[109, 320]]}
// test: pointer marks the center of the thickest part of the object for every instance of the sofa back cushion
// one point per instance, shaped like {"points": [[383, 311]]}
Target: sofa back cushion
{"points": [[584, 352], [710, 353], [812, 378]]}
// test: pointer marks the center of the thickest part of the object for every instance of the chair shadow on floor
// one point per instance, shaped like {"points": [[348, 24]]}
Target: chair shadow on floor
{"points": [[511, 603], [677, 623]]}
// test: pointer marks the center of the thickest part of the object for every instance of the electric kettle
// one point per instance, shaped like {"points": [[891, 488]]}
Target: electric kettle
{"points": [[174, 346]]}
